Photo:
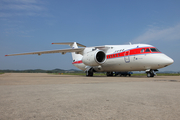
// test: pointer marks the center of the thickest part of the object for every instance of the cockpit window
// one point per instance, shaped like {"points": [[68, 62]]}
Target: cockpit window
{"points": [[154, 50], [147, 50], [142, 50]]}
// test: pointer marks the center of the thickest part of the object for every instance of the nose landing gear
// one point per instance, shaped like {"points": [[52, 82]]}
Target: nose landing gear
{"points": [[151, 73]]}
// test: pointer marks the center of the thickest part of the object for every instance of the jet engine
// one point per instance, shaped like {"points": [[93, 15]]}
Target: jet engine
{"points": [[94, 58]]}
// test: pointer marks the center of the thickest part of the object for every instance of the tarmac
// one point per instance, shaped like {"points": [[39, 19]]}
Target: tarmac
{"points": [[41, 96]]}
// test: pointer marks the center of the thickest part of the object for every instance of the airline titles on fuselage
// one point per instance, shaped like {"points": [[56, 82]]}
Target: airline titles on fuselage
{"points": [[117, 51]]}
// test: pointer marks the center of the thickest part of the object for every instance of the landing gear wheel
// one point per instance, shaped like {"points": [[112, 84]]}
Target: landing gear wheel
{"points": [[109, 73], [89, 73], [150, 74], [125, 75]]}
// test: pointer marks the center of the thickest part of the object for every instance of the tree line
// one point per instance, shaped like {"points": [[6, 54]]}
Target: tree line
{"points": [[40, 71]]}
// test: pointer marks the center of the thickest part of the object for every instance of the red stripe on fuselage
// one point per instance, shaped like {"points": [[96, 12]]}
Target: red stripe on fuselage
{"points": [[130, 52], [136, 51]]}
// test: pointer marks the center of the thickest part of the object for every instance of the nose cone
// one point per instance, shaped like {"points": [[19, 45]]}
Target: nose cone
{"points": [[167, 61]]}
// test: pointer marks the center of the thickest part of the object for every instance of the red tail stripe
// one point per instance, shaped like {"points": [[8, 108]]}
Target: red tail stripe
{"points": [[77, 62]]}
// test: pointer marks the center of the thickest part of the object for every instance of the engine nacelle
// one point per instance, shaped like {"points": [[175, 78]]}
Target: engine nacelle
{"points": [[94, 58]]}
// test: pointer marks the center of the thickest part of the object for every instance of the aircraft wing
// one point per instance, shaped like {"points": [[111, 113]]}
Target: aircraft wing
{"points": [[63, 51], [102, 47]]}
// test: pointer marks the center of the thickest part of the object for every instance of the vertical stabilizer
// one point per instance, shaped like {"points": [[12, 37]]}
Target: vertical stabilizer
{"points": [[75, 57]]}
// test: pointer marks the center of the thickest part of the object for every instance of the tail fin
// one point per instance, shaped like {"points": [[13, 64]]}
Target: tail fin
{"points": [[75, 57]]}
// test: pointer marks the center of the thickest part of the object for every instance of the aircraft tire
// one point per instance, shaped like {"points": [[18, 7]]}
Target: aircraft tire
{"points": [[109, 74], [150, 74], [89, 73]]}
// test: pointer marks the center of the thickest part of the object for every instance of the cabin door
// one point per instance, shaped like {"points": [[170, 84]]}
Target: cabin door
{"points": [[126, 56]]}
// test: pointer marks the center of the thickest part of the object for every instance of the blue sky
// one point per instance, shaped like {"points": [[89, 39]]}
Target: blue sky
{"points": [[32, 25]]}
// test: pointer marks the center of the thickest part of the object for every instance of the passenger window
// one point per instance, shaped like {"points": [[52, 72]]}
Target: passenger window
{"points": [[147, 50], [142, 50]]}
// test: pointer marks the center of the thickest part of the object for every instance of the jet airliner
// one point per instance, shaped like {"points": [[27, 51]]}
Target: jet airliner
{"points": [[113, 58]]}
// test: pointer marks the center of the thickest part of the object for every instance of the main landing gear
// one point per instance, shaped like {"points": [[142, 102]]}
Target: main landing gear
{"points": [[89, 73], [109, 74], [119, 73]]}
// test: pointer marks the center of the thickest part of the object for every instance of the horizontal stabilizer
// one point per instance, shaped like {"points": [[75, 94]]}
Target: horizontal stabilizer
{"points": [[70, 43]]}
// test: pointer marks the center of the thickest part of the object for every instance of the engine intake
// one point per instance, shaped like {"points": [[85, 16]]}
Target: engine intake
{"points": [[94, 58]]}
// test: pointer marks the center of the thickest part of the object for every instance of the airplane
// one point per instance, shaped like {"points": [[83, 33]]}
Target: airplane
{"points": [[113, 58]]}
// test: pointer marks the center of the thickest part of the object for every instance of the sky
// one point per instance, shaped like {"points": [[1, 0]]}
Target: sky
{"points": [[32, 25]]}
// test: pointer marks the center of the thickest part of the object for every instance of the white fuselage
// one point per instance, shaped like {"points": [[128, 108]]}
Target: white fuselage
{"points": [[136, 57]]}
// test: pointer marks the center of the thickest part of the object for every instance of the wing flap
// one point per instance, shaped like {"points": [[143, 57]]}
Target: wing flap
{"points": [[63, 51]]}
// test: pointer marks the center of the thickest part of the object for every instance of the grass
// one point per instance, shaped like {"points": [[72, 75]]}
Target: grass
{"points": [[68, 73], [1, 73], [168, 74], [139, 74]]}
